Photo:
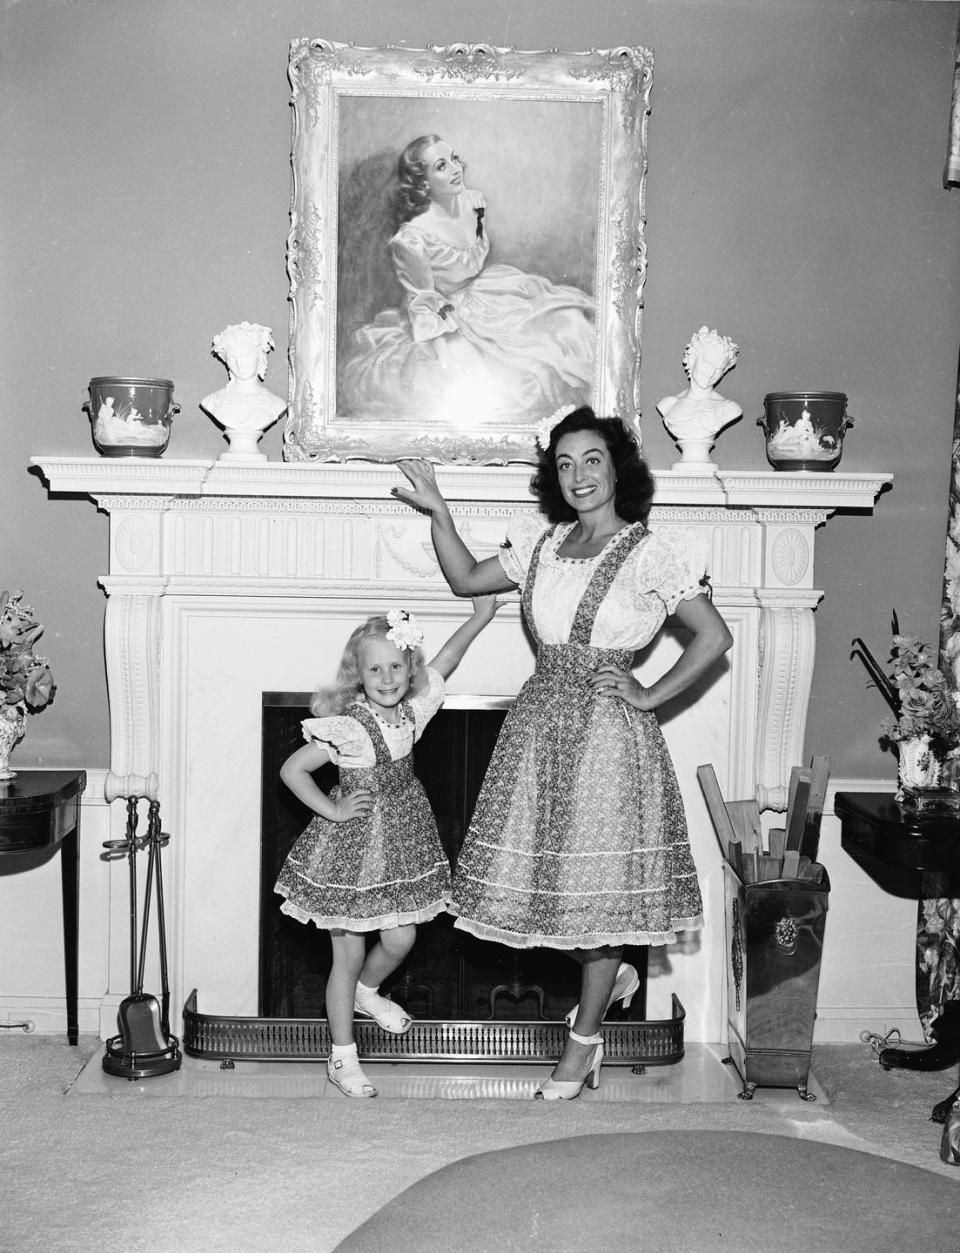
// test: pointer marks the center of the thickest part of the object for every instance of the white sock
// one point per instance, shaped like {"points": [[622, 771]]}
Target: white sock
{"points": [[343, 1052], [363, 989]]}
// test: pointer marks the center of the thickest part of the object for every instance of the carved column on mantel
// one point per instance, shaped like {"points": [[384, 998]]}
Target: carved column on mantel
{"points": [[132, 645], [135, 587], [787, 647]]}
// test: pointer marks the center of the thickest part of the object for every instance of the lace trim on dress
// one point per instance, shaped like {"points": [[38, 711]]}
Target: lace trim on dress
{"points": [[553, 547], [367, 887], [595, 939], [327, 923], [594, 852]]}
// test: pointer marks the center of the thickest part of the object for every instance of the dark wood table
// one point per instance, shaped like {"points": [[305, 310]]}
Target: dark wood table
{"points": [[40, 809], [922, 849], [908, 854]]}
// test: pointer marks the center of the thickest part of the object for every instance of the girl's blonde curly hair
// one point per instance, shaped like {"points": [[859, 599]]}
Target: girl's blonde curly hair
{"points": [[330, 701]]}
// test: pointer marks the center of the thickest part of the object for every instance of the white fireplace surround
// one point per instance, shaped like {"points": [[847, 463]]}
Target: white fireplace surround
{"points": [[227, 581]]}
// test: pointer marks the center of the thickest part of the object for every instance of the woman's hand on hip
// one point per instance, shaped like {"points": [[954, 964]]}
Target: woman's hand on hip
{"points": [[609, 680], [422, 491]]}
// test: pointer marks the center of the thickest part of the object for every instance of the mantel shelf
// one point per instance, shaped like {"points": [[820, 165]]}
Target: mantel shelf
{"points": [[730, 489]]}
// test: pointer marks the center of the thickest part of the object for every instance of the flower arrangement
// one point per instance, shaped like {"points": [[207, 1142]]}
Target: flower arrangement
{"points": [[26, 682], [917, 692]]}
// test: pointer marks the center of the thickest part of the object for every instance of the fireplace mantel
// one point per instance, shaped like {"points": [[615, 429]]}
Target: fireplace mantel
{"points": [[225, 581], [143, 476]]}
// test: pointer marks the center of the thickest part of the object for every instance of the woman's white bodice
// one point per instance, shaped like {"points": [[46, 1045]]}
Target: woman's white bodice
{"points": [[663, 569]]}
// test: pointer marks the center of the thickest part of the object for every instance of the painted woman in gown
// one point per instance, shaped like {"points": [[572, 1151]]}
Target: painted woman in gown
{"points": [[470, 337]]}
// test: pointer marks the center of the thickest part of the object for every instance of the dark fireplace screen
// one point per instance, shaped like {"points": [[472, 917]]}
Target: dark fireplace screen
{"points": [[450, 975]]}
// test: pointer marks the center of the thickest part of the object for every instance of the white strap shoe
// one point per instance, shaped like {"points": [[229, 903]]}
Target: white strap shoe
{"points": [[347, 1075], [625, 984], [569, 1089], [388, 1014]]}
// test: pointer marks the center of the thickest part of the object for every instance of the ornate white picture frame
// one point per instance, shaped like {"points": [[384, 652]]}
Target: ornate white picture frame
{"points": [[409, 339]]}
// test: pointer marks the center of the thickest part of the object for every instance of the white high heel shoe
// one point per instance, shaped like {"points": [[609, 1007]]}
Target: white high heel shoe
{"points": [[625, 984], [569, 1089]]}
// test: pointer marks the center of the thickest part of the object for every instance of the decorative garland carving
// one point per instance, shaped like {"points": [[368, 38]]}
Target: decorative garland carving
{"points": [[313, 64], [469, 62], [629, 69], [305, 256], [414, 560], [448, 446]]}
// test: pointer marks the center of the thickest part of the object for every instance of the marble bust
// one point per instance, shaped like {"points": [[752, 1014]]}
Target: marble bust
{"points": [[243, 407], [695, 416]]}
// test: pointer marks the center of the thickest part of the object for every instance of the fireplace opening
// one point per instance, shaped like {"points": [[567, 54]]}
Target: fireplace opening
{"points": [[450, 975]]}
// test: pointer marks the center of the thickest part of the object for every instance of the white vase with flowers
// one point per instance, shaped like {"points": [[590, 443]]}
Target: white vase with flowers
{"points": [[925, 726], [26, 682]]}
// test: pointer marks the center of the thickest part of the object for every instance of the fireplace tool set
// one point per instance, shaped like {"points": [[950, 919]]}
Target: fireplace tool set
{"points": [[144, 1046]]}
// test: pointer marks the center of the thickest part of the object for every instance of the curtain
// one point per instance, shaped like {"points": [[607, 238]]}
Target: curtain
{"points": [[951, 171]]}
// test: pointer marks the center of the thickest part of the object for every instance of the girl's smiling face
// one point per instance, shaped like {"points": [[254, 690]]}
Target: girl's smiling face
{"points": [[444, 169], [585, 470], [384, 674]]}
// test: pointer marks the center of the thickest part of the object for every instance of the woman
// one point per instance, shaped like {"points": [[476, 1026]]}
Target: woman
{"points": [[578, 840], [471, 339]]}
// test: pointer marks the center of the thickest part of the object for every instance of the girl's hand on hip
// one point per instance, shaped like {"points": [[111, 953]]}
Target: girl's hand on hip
{"points": [[358, 804], [423, 491], [610, 680]]}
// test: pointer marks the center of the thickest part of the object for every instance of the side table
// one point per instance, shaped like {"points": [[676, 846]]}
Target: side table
{"points": [[40, 809], [917, 854]]}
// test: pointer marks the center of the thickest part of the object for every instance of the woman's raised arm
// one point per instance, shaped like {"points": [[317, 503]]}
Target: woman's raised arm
{"points": [[466, 575]]}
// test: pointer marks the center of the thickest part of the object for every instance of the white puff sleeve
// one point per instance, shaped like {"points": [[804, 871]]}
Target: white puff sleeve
{"points": [[523, 531], [673, 565], [341, 737]]}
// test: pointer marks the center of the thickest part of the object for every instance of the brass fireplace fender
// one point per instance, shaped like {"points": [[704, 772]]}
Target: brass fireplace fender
{"points": [[231, 1039]]}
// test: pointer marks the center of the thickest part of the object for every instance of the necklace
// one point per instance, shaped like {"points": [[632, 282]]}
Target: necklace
{"points": [[402, 721]]}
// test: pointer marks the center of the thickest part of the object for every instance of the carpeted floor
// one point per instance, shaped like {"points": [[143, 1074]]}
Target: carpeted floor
{"points": [[672, 1191], [80, 1173]]}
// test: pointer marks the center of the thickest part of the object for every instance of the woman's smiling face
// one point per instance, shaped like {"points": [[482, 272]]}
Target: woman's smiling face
{"points": [[443, 169], [585, 469]]}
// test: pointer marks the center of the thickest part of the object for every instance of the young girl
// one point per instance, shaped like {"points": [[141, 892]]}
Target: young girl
{"points": [[371, 860]]}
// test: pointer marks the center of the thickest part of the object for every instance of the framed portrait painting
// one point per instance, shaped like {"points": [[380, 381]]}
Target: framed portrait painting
{"points": [[466, 251]]}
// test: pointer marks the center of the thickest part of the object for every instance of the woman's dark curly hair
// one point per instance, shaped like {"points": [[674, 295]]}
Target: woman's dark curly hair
{"points": [[634, 487], [412, 196]]}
